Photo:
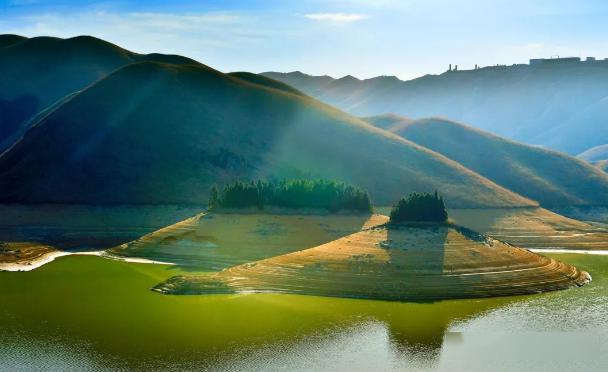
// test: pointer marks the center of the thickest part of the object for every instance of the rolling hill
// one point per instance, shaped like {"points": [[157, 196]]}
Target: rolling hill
{"points": [[549, 177], [562, 106], [37, 72], [155, 132]]}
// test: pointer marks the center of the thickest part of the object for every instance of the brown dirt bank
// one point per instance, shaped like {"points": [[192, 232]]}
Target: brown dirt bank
{"points": [[213, 241], [411, 263]]}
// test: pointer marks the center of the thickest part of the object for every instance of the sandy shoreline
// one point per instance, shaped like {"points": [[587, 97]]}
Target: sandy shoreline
{"points": [[51, 256]]}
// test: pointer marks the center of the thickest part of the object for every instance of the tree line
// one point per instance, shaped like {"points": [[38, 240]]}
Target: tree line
{"points": [[318, 194], [421, 207]]}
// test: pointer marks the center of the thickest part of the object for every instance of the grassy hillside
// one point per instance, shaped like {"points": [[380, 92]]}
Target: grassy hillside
{"points": [[35, 73], [594, 154], [560, 106], [159, 133], [550, 177], [394, 263]]}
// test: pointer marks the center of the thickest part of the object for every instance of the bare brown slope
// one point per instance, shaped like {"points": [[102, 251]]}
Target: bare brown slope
{"points": [[550, 177], [154, 133], [394, 263]]}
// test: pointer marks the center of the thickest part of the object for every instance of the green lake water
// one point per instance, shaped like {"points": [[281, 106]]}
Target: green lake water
{"points": [[85, 313]]}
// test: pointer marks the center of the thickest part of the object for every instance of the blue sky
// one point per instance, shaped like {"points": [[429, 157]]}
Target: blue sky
{"points": [[364, 38]]}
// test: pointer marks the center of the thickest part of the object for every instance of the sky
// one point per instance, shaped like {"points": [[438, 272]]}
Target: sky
{"points": [[363, 38]]}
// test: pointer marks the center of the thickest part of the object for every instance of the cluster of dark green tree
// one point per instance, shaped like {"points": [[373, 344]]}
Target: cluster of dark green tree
{"points": [[421, 207], [319, 194]]}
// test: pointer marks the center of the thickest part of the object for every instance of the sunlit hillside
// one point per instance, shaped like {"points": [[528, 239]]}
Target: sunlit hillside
{"points": [[550, 177]]}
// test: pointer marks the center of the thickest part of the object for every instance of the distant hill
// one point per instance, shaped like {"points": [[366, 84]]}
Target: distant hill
{"points": [[594, 154], [265, 82], [563, 106], [550, 177], [389, 122], [35, 73], [154, 132]]}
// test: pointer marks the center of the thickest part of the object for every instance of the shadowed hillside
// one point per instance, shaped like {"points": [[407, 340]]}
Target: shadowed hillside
{"points": [[550, 177], [154, 133], [558, 105], [37, 72], [9, 39]]}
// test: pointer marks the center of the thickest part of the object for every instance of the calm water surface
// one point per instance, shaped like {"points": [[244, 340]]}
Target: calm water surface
{"points": [[84, 313]]}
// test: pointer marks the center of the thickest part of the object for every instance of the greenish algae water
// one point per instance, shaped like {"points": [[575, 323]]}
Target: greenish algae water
{"points": [[84, 313]]}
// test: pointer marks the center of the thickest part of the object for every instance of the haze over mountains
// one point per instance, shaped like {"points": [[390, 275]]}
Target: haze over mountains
{"points": [[120, 127], [562, 106], [550, 177]]}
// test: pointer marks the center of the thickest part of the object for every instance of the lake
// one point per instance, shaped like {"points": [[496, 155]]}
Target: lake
{"points": [[85, 313]]}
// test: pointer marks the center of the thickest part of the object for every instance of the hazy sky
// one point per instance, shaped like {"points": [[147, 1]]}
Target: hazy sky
{"points": [[363, 38]]}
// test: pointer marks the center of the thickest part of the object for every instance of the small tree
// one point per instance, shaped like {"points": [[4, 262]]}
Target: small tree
{"points": [[213, 198], [420, 207]]}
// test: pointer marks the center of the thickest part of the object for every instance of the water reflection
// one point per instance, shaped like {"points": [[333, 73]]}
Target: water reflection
{"points": [[87, 314]]}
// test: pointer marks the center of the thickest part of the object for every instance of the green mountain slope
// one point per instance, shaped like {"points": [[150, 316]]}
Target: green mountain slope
{"points": [[550, 177], [563, 106], [35, 73], [160, 133]]}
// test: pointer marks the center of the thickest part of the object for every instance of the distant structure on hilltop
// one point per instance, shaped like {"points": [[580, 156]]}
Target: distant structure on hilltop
{"points": [[541, 61], [558, 60]]}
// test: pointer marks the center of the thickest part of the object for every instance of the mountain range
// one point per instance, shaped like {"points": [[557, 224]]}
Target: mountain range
{"points": [[561, 106], [107, 126]]}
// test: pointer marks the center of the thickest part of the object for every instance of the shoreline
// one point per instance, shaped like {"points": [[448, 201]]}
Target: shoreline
{"points": [[566, 251], [51, 256]]}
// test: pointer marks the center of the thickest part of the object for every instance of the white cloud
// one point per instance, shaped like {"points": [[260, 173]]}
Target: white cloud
{"points": [[336, 17]]}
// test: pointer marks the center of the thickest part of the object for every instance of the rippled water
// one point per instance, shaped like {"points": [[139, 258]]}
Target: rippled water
{"points": [[91, 314]]}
